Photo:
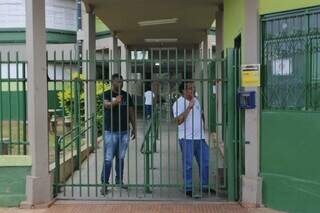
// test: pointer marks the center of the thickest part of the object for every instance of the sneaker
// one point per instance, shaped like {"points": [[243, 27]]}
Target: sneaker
{"points": [[189, 193], [104, 191]]}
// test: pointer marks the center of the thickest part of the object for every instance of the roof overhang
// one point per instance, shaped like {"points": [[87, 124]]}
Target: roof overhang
{"points": [[156, 22]]}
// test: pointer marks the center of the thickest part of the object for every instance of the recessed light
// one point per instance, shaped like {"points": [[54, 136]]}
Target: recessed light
{"points": [[158, 22], [160, 40]]}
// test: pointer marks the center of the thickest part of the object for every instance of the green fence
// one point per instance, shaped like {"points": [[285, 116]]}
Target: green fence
{"points": [[13, 102], [291, 59], [13, 121]]}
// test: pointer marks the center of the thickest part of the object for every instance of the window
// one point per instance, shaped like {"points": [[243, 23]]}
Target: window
{"points": [[291, 61]]}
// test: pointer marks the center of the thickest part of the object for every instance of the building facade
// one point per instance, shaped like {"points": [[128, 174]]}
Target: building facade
{"points": [[269, 148]]}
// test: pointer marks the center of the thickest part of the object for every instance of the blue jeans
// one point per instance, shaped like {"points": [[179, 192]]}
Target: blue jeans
{"points": [[199, 149], [148, 111], [115, 145]]}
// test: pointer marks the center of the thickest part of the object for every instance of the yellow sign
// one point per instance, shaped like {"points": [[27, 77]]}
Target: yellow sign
{"points": [[250, 75]]}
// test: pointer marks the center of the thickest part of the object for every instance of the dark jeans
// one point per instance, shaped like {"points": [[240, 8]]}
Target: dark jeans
{"points": [[148, 111]]}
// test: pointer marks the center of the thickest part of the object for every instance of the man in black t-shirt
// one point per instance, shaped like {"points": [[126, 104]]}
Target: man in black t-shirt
{"points": [[118, 110]]}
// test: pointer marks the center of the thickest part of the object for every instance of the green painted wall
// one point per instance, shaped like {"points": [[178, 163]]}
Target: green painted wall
{"points": [[13, 172], [100, 26], [272, 6], [17, 110], [10, 106], [233, 21], [289, 161]]}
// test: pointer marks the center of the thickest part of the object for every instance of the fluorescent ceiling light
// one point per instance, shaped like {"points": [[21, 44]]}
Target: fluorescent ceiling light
{"points": [[160, 40], [157, 64], [158, 22]]}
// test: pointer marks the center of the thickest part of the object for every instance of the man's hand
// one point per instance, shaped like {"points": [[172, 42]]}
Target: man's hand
{"points": [[191, 104], [183, 116], [133, 134], [118, 100]]}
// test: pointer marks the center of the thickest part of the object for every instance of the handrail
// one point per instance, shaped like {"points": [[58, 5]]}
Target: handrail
{"points": [[146, 137], [152, 125], [61, 138], [60, 145], [147, 149]]}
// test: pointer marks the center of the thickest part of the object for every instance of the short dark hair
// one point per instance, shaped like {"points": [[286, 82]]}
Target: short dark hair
{"points": [[147, 86], [183, 85], [116, 76]]}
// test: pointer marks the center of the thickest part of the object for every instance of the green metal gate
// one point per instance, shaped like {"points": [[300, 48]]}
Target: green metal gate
{"points": [[153, 165], [233, 123]]}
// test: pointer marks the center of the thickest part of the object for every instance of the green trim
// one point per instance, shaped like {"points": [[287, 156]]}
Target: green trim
{"points": [[61, 36], [290, 13], [13, 35], [104, 34], [274, 6], [54, 36]]}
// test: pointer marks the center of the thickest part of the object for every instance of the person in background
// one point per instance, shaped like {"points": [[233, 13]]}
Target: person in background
{"points": [[149, 97]]}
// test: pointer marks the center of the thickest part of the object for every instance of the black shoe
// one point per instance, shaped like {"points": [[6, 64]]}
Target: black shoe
{"points": [[206, 190], [104, 190], [189, 193], [123, 186]]}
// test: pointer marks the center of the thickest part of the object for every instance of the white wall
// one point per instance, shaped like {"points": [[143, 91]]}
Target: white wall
{"points": [[60, 14], [20, 49]]}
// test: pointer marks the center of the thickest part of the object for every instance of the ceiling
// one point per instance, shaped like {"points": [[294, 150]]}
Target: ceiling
{"points": [[193, 19]]}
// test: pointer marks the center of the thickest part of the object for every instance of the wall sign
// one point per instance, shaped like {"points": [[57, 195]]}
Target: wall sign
{"points": [[250, 75], [282, 67]]}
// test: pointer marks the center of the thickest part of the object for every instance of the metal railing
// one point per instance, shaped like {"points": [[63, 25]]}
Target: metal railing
{"points": [[149, 146], [70, 144]]}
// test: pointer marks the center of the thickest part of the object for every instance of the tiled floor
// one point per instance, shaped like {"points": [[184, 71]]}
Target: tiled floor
{"points": [[140, 207]]}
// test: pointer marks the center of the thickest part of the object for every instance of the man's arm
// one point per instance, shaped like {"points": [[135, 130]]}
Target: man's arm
{"points": [[153, 98], [183, 116], [132, 118], [204, 121]]}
